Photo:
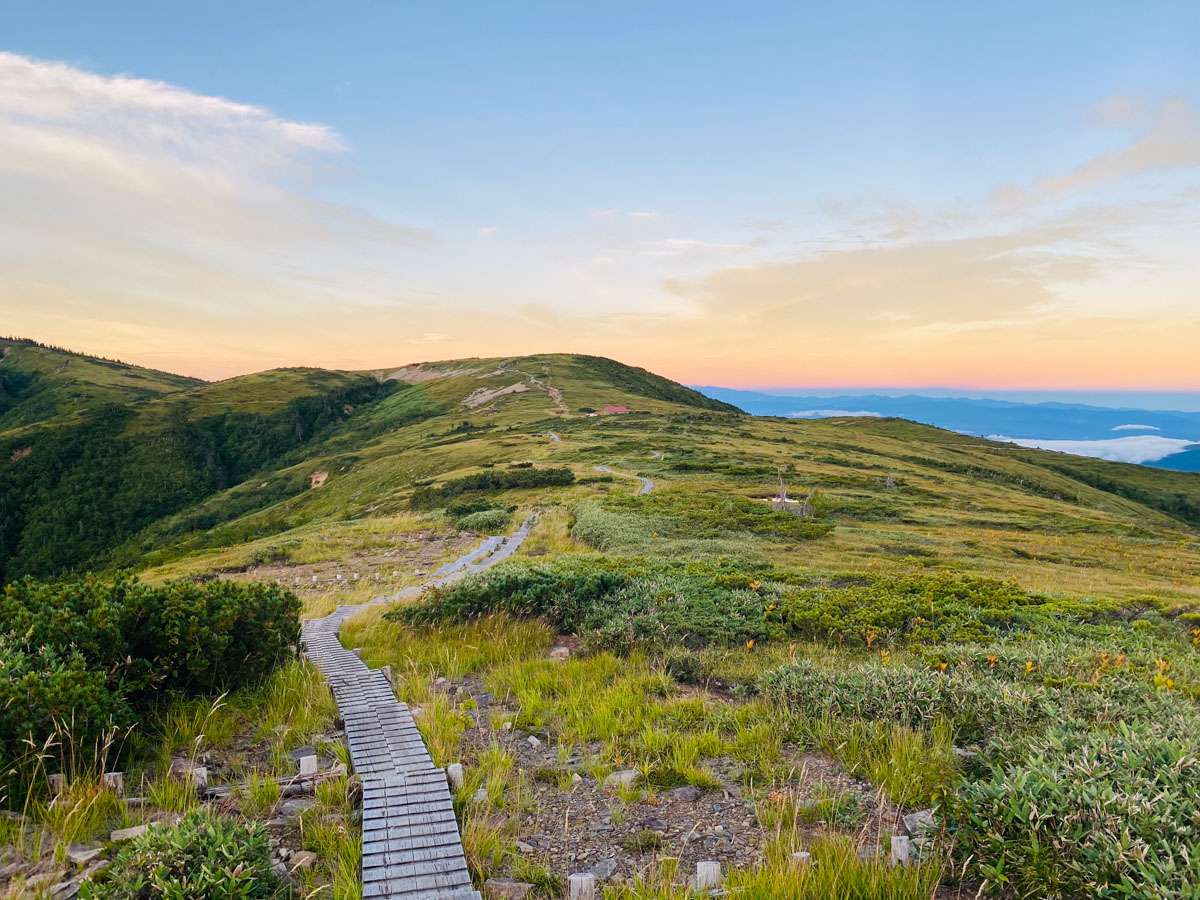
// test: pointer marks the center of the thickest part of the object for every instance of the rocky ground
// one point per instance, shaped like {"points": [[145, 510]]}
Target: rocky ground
{"points": [[577, 823]]}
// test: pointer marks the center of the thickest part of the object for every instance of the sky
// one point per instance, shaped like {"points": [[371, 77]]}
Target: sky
{"points": [[979, 196]]}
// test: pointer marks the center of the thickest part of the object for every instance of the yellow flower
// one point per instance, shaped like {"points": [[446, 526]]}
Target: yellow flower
{"points": [[991, 658], [884, 656], [755, 585], [1028, 666], [749, 645]]}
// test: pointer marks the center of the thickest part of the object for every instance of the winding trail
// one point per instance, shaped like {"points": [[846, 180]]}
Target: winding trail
{"points": [[411, 848], [647, 484]]}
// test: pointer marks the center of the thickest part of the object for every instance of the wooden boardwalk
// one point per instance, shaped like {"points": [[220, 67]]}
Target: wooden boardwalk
{"points": [[411, 845]]}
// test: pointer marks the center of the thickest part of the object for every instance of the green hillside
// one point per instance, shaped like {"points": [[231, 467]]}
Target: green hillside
{"points": [[929, 624]]}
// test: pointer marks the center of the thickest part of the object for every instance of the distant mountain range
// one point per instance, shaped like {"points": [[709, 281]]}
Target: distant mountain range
{"points": [[1164, 439]]}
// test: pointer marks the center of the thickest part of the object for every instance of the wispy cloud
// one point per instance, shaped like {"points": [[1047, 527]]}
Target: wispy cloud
{"points": [[1169, 139], [432, 337]]}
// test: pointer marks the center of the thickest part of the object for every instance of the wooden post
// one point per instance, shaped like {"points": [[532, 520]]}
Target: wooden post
{"points": [[57, 782], [114, 781], [581, 886], [708, 875], [901, 850], [308, 764], [387, 673], [454, 775], [801, 859]]}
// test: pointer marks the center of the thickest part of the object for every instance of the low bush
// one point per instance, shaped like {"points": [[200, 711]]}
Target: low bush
{"points": [[906, 609], [720, 515], [89, 654], [430, 497], [495, 519], [1096, 814], [179, 636], [204, 857], [614, 606]]}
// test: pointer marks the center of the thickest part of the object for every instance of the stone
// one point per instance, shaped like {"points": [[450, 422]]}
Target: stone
{"points": [[533, 742], [293, 808], [81, 854], [300, 752], [622, 778], [869, 852], [441, 685], [128, 834], [581, 886], [189, 770], [654, 824], [64, 890], [576, 778], [687, 794], [33, 882], [387, 673], [57, 782], [605, 868], [339, 770], [523, 847], [920, 821], [560, 653], [480, 796], [301, 859], [454, 776], [280, 869], [600, 827], [506, 889]]}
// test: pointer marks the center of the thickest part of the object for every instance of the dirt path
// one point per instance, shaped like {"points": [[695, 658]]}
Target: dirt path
{"points": [[646, 487], [555, 394]]}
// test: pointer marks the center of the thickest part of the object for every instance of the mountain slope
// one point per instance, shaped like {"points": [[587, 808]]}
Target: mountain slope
{"points": [[39, 383], [225, 470]]}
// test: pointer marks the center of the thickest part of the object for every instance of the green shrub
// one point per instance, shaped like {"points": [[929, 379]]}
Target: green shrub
{"points": [[719, 515], [87, 655], [178, 636], [1090, 813], [45, 690], [613, 605], [907, 609], [204, 857], [429, 497], [485, 520]]}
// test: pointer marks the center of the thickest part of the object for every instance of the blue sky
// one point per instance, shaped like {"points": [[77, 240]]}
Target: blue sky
{"points": [[711, 190]]}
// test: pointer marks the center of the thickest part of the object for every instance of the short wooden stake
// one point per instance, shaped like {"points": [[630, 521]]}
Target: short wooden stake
{"points": [[357, 651], [801, 859], [114, 781], [708, 875], [454, 776], [901, 850], [581, 886], [57, 783], [308, 765], [387, 673]]}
